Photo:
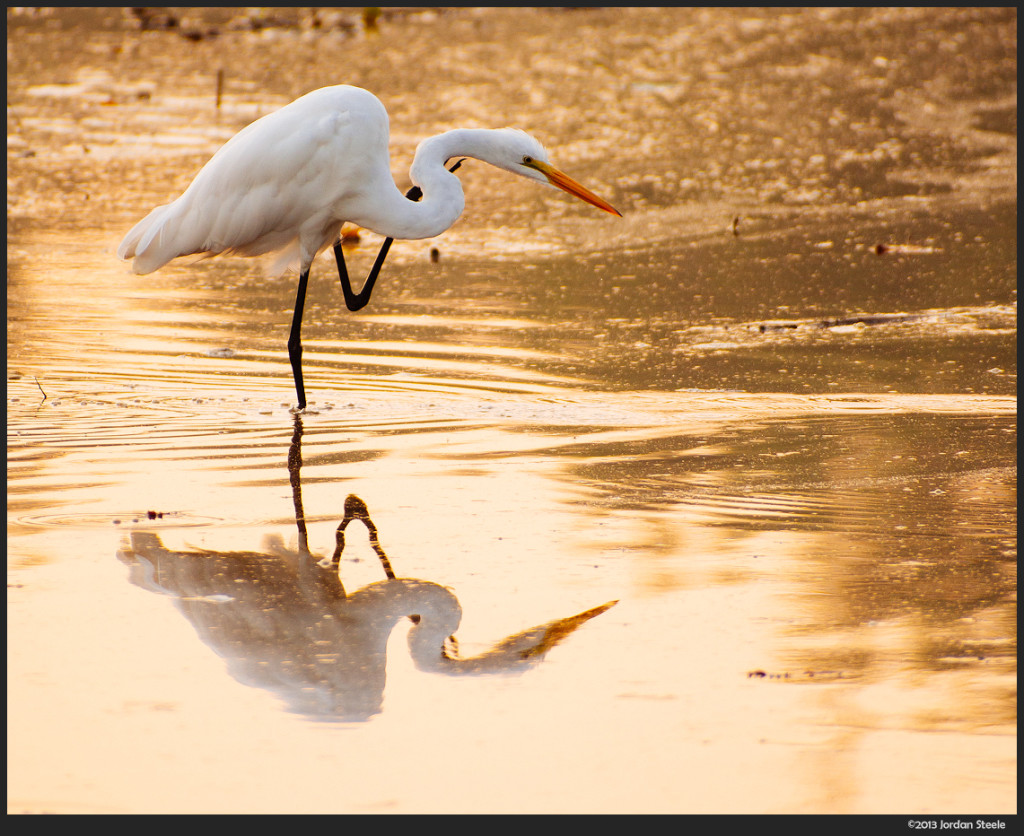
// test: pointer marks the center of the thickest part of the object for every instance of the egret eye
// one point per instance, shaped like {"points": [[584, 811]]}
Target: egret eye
{"points": [[527, 159]]}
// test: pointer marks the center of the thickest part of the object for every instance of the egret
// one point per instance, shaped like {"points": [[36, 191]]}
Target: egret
{"points": [[290, 180]]}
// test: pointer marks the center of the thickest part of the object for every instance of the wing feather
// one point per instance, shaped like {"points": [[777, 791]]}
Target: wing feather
{"points": [[279, 184]]}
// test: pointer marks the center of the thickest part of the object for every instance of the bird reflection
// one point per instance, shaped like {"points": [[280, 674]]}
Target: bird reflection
{"points": [[283, 621]]}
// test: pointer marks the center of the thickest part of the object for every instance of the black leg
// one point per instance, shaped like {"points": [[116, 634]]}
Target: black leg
{"points": [[295, 340], [355, 301]]}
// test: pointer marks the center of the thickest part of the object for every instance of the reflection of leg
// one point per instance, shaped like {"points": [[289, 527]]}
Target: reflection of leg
{"points": [[294, 477], [380, 552], [355, 509]]}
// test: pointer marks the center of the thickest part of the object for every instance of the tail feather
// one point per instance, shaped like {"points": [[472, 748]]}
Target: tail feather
{"points": [[145, 242], [195, 225], [179, 229]]}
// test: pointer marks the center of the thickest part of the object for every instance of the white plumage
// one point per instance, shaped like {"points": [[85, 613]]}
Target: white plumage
{"points": [[287, 183], [292, 178]]}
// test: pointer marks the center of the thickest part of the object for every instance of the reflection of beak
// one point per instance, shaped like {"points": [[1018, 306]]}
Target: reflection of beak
{"points": [[567, 184]]}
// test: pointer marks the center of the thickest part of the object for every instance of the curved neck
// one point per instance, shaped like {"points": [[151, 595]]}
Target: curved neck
{"points": [[395, 216]]}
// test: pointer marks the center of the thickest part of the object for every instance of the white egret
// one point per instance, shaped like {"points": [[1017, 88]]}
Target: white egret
{"points": [[287, 183]]}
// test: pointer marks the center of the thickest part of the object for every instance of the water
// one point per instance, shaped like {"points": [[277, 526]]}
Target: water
{"points": [[770, 413]]}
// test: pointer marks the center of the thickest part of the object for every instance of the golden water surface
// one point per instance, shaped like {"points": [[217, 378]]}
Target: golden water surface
{"points": [[710, 508]]}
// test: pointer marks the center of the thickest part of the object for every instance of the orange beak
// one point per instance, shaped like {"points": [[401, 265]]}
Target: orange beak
{"points": [[567, 184]]}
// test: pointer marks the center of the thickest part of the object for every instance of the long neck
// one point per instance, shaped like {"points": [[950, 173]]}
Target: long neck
{"points": [[397, 217]]}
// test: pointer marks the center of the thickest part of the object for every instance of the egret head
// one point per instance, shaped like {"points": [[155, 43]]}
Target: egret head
{"points": [[520, 153]]}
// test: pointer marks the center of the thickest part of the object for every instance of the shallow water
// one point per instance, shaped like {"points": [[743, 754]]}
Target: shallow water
{"points": [[770, 413]]}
